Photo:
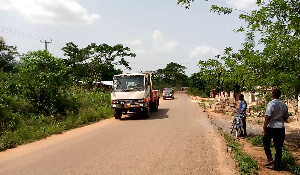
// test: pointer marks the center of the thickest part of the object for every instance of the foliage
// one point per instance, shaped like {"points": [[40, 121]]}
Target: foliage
{"points": [[288, 161], [40, 98], [186, 3], [45, 80], [216, 76], [96, 62], [272, 60], [93, 106], [198, 86], [256, 140], [7, 56], [247, 165], [173, 75], [211, 73]]}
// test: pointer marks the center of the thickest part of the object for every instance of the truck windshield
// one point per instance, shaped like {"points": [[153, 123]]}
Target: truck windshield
{"points": [[129, 83]]}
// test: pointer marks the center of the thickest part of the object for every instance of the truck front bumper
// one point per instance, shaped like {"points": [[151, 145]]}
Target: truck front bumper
{"points": [[122, 106]]}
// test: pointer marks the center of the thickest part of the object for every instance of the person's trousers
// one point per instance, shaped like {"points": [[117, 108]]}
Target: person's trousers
{"points": [[244, 125], [278, 136]]}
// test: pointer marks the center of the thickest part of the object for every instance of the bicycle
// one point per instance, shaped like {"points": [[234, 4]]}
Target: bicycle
{"points": [[237, 125]]}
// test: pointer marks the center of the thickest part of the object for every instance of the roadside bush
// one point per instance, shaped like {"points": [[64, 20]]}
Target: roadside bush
{"points": [[289, 162], [197, 92], [92, 106], [41, 99], [256, 140], [45, 80]]}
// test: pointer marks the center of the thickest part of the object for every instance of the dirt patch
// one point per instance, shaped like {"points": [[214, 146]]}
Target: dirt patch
{"points": [[259, 155]]}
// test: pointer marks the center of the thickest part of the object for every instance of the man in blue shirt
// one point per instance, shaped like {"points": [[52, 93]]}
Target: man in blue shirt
{"points": [[276, 114], [242, 112]]}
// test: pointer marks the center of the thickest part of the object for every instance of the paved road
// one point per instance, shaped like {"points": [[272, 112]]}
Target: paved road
{"points": [[178, 139]]}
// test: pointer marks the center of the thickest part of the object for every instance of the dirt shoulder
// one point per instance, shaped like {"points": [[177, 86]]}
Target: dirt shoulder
{"points": [[254, 127]]}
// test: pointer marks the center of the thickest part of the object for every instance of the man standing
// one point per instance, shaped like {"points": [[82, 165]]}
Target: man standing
{"points": [[276, 114], [242, 112]]}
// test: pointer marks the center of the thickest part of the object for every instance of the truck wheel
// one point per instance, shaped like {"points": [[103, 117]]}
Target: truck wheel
{"points": [[117, 113], [146, 112], [151, 104], [155, 104]]}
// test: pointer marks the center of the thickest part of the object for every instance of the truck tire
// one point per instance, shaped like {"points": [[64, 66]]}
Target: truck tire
{"points": [[155, 106], [151, 104], [117, 113], [145, 112]]}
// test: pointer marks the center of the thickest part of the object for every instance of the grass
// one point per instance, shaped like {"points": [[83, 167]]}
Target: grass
{"points": [[247, 165], [288, 161], [94, 106], [40, 127]]}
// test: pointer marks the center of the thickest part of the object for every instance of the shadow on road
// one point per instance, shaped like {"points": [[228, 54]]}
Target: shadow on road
{"points": [[160, 114]]}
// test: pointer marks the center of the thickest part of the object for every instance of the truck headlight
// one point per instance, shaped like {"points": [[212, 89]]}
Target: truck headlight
{"points": [[141, 100], [115, 101]]}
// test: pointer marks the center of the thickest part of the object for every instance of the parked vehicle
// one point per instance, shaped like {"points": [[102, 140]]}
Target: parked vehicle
{"points": [[133, 92], [168, 93]]}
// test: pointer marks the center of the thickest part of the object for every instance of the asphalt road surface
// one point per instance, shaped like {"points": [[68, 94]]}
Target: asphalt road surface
{"points": [[178, 139]]}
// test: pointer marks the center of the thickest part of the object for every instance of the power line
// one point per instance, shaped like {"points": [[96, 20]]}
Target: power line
{"points": [[22, 34], [42, 39]]}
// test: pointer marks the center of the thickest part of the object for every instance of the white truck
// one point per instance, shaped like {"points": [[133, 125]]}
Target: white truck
{"points": [[133, 92]]}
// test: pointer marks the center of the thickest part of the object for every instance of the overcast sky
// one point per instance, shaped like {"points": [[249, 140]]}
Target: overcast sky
{"points": [[158, 31]]}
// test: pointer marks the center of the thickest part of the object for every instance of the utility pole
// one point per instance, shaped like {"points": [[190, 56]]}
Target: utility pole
{"points": [[46, 43]]}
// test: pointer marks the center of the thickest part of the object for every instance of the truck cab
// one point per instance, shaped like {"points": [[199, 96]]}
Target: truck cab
{"points": [[133, 92]]}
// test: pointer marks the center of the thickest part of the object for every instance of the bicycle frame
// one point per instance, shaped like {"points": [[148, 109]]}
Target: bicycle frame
{"points": [[237, 125]]}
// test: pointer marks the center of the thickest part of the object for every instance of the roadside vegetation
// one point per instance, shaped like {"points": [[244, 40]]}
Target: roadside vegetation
{"points": [[288, 161], [269, 56], [247, 165], [41, 95]]}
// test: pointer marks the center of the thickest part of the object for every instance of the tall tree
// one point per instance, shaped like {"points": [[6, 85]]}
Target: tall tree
{"points": [[173, 75], [211, 71], [7, 56], [96, 62]]}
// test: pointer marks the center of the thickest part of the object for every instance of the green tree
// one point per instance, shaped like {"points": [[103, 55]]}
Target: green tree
{"points": [[7, 56], [276, 26], [173, 75], [211, 73], [197, 86], [45, 80], [96, 62]]}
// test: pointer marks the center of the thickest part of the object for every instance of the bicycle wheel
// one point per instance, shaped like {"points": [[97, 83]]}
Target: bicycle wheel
{"points": [[233, 125]]}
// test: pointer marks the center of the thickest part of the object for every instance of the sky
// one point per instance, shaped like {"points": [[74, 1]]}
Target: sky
{"points": [[159, 32]]}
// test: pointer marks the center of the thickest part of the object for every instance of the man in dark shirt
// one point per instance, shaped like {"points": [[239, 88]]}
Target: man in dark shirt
{"points": [[242, 112]]}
